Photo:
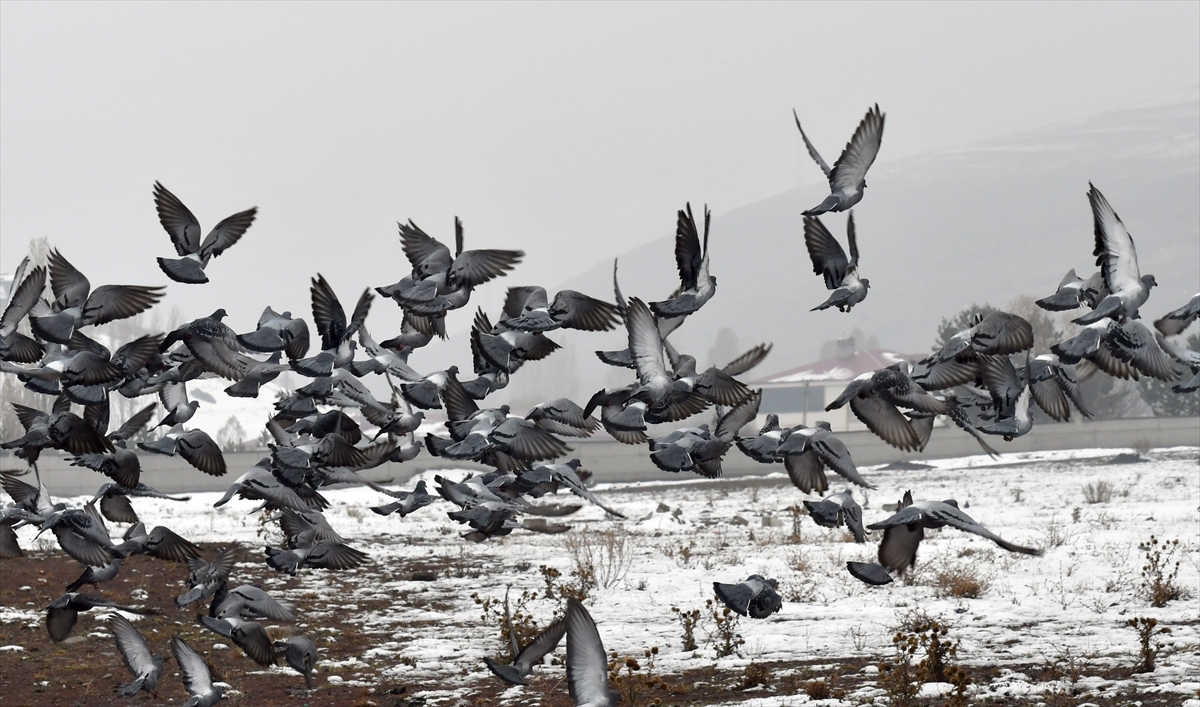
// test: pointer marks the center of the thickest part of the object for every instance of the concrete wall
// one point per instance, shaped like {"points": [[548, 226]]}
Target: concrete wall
{"points": [[612, 461]]}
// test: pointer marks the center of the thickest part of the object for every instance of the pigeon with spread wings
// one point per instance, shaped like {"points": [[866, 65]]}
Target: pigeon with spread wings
{"points": [[184, 230], [829, 260], [848, 178]]}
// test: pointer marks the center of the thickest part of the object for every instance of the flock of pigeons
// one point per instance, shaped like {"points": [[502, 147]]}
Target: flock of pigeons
{"points": [[985, 380]]}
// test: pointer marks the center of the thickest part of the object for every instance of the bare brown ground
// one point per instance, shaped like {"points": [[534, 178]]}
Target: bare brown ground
{"points": [[87, 672]]}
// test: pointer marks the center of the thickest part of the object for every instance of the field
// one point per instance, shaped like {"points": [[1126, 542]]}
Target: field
{"points": [[412, 627]]}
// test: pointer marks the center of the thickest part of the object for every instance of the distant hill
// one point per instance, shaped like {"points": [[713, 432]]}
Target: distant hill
{"points": [[937, 232]]}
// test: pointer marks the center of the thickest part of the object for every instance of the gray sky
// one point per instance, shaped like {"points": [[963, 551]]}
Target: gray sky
{"points": [[573, 131]]}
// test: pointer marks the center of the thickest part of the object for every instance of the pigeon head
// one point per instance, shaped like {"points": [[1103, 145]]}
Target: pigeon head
{"points": [[219, 314], [866, 283], [1149, 281]]}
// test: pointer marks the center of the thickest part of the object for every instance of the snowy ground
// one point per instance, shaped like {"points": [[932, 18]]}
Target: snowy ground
{"points": [[1068, 606]]}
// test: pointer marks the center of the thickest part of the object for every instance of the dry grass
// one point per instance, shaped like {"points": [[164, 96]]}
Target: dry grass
{"points": [[605, 555]]}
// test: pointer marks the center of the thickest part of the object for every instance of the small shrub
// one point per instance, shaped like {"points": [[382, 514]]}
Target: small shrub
{"points": [[1098, 492], [898, 677], [817, 689], [627, 676], [1057, 534], [724, 638], [584, 583], [961, 582], [1147, 643], [492, 612], [1158, 575], [603, 555], [901, 679], [755, 674], [688, 621], [797, 512]]}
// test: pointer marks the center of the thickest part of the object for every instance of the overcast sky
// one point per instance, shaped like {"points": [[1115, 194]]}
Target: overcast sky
{"points": [[573, 131]]}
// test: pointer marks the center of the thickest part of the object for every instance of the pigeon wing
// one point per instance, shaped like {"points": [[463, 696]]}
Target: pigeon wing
{"points": [[226, 233], [827, 256], [541, 645], [196, 677], [898, 549], [575, 310], [419, 247], [882, 418], [812, 151], [328, 314], [688, 254], [587, 664], [180, 224], [475, 267], [850, 171], [1114, 250], [132, 646]]}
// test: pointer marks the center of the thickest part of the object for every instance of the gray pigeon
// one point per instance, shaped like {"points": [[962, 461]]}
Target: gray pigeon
{"points": [[250, 636], [996, 333], [135, 652], [77, 305], [1178, 321], [63, 612], [756, 597], [905, 529], [336, 332], [250, 603], [1187, 357], [300, 654], [195, 446], [848, 178], [1075, 292], [213, 344], [196, 676], [1011, 397], [184, 230], [838, 509], [1117, 258], [408, 502], [1122, 349], [807, 450], [529, 309], [829, 261], [696, 285], [875, 396], [15, 346], [206, 578], [529, 656], [278, 332], [1054, 386]]}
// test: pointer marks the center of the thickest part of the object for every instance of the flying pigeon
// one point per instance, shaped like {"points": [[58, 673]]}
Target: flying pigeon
{"points": [[1117, 258], [848, 178], [184, 230], [756, 597], [829, 261]]}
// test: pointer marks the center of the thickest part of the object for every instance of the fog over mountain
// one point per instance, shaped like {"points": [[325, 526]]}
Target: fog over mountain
{"points": [[936, 232], [940, 231]]}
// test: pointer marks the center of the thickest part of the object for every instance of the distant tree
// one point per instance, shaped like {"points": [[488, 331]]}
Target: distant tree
{"points": [[862, 341], [965, 319], [1166, 402], [1046, 328], [724, 349], [232, 436]]}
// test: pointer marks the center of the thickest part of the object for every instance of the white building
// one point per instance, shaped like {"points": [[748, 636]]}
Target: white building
{"points": [[799, 396]]}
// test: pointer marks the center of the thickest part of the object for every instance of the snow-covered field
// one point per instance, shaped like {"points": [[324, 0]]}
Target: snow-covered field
{"points": [[1069, 605]]}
